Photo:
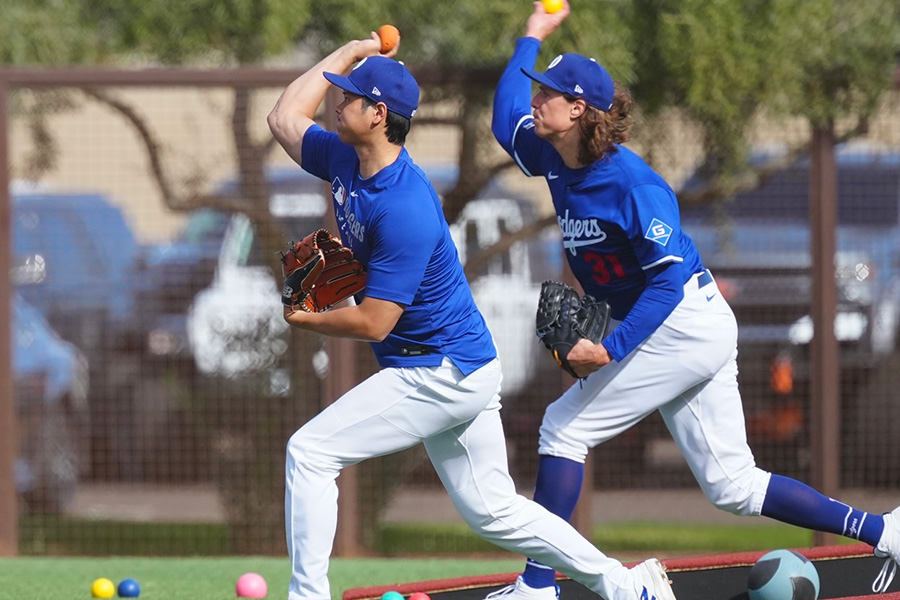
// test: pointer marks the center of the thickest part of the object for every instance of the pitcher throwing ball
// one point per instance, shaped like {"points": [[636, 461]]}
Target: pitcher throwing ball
{"points": [[672, 341], [440, 378]]}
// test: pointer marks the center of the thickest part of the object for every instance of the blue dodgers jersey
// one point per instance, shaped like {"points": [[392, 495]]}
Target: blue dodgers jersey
{"points": [[395, 225], [619, 218]]}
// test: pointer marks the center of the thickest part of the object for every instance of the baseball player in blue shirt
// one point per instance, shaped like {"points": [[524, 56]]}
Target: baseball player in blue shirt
{"points": [[674, 346], [440, 378]]}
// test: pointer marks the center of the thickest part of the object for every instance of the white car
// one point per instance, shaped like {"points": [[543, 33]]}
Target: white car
{"points": [[235, 326]]}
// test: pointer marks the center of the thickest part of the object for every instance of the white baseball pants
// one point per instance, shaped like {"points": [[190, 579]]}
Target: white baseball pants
{"points": [[687, 370], [458, 420]]}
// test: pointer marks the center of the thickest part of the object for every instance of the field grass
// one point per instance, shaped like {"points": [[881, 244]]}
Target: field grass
{"points": [[452, 551], [78, 537], [33, 578]]}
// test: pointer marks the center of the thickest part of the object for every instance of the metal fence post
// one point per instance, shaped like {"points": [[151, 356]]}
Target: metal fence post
{"points": [[825, 373], [9, 513]]}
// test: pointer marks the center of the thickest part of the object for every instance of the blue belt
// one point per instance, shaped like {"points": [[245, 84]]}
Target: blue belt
{"points": [[704, 279]]}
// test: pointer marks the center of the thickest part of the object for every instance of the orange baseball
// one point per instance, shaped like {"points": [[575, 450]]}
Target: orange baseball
{"points": [[390, 36]]}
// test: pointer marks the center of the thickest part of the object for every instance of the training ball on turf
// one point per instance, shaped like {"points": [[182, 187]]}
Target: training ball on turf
{"points": [[419, 596], [103, 588], [251, 585], [129, 588], [783, 575], [392, 595]]}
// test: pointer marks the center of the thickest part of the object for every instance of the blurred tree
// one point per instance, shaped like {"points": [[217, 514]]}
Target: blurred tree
{"points": [[722, 61], [42, 32]]}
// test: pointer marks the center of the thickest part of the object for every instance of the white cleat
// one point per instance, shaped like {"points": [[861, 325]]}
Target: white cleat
{"points": [[522, 591], [652, 576], [888, 548]]}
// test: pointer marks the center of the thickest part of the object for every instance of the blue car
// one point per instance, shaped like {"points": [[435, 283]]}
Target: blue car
{"points": [[75, 262], [51, 384]]}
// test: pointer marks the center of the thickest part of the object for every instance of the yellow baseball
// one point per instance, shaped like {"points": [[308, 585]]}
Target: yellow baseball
{"points": [[552, 6]]}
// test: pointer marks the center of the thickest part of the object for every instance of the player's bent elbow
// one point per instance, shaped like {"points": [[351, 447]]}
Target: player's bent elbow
{"points": [[272, 120], [377, 334]]}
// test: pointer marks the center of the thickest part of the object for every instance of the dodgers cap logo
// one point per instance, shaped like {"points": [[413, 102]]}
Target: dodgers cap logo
{"points": [[381, 79], [578, 76]]}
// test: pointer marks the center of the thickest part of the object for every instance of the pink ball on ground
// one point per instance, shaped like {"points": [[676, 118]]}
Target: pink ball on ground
{"points": [[419, 596], [251, 585]]}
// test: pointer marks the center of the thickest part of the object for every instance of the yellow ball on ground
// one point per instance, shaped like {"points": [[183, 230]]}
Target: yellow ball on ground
{"points": [[552, 6], [103, 588]]}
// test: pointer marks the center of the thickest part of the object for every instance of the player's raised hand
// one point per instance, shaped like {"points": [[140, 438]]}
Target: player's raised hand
{"points": [[372, 47], [541, 23]]}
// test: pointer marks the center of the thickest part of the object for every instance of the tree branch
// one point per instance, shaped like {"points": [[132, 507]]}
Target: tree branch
{"points": [[151, 145], [477, 262]]}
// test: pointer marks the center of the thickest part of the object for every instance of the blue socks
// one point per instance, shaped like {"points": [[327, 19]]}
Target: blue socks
{"points": [[557, 489], [790, 501], [787, 500]]}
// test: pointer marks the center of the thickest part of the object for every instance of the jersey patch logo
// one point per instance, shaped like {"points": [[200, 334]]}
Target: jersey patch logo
{"points": [[658, 232], [338, 191]]}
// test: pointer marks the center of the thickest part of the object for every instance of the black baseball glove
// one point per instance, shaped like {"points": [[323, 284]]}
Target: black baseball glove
{"points": [[564, 317]]}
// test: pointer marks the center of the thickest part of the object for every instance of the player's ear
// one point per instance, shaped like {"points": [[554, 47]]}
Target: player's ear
{"points": [[380, 113], [577, 108]]}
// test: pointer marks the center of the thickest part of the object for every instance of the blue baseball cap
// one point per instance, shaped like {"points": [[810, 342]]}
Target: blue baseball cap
{"points": [[382, 79], [578, 76]]}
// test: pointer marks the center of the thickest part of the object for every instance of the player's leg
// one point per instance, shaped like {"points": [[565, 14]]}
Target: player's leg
{"points": [[472, 464], [392, 410], [707, 422], [679, 355]]}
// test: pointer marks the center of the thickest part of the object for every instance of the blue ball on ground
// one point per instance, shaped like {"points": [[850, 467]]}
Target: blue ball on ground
{"points": [[392, 595], [783, 575], [129, 588]]}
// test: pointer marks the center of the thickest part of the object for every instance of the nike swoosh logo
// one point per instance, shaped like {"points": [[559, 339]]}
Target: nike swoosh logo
{"points": [[353, 194], [709, 298], [552, 176]]}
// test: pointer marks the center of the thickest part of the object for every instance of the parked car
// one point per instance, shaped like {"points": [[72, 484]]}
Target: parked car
{"points": [[170, 275], [75, 263], [51, 383], [757, 245], [236, 326]]}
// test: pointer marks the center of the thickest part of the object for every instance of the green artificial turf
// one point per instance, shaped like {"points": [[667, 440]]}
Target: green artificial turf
{"points": [[70, 578], [70, 555], [399, 539]]}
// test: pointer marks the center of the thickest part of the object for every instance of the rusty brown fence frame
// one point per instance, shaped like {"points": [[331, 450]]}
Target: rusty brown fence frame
{"points": [[822, 184]]}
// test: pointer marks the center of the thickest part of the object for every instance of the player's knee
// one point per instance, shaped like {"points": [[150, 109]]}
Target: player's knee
{"points": [[554, 442], [490, 521], [742, 495], [557, 440], [300, 451]]}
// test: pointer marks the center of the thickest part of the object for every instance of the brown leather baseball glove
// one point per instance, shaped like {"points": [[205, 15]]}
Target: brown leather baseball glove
{"points": [[319, 272]]}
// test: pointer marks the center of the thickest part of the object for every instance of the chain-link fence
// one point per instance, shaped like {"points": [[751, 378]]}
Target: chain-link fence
{"points": [[156, 383]]}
